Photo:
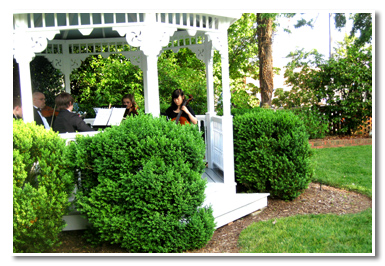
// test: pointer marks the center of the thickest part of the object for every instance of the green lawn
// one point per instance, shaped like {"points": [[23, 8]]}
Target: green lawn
{"points": [[348, 168], [322, 233]]}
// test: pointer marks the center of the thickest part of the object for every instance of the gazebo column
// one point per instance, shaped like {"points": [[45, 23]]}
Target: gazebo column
{"points": [[208, 60], [26, 88], [26, 45], [220, 43], [150, 38], [150, 84]]}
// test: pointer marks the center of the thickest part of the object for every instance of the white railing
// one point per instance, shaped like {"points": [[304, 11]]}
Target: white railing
{"points": [[72, 136], [217, 139], [202, 126]]}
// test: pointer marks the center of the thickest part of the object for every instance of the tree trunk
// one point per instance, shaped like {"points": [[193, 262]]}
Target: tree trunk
{"points": [[265, 54]]}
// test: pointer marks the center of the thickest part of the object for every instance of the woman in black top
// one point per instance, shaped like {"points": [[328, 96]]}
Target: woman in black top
{"points": [[129, 101], [177, 106]]}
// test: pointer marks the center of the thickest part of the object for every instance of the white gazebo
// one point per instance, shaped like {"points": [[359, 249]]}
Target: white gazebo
{"points": [[66, 39]]}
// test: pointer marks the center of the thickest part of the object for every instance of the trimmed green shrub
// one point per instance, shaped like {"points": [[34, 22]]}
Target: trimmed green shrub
{"points": [[141, 185], [316, 124], [41, 187], [272, 153]]}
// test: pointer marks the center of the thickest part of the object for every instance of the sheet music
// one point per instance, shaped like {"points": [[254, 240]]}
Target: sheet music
{"points": [[116, 116], [102, 117]]}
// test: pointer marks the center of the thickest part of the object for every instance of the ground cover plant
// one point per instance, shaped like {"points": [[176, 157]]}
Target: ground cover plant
{"points": [[41, 187], [141, 186], [326, 233]]}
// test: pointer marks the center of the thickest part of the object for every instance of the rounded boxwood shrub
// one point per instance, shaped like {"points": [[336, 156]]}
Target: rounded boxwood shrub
{"points": [[41, 187], [272, 153], [141, 185]]}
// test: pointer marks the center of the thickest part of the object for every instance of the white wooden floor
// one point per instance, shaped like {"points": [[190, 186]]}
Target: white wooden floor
{"points": [[227, 207]]}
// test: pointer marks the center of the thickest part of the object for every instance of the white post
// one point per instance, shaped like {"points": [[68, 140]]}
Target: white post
{"points": [[150, 38], [24, 55], [208, 59], [26, 89], [150, 82], [66, 69], [227, 120]]}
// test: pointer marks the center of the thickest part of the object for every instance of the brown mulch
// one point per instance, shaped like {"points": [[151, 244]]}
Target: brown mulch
{"points": [[316, 199], [343, 137]]}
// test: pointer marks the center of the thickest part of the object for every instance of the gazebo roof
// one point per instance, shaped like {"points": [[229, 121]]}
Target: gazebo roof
{"points": [[71, 26]]}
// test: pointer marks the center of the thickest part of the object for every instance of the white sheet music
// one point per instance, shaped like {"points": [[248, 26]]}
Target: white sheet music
{"points": [[102, 117], [109, 117], [116, 116]]}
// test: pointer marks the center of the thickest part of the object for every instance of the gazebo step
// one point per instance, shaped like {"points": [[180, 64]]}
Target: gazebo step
{"points": [[228, 208]]}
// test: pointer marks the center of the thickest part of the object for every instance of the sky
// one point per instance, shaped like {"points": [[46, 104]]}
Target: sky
{"points": [[304, 37]]}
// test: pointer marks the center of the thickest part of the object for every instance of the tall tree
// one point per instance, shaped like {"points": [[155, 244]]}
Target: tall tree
{"points": [[265, 55]]}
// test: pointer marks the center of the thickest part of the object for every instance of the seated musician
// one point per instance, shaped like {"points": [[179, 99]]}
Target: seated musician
{"points": [[66, 121], [129, 101], [177, 106]]}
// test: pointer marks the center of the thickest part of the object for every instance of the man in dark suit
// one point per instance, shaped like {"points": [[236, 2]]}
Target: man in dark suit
{"points": [[66, 121], [38, 99]]}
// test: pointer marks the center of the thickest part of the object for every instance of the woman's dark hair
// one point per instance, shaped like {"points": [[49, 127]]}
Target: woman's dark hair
{"points": [[131, 97], [63, 101], [176, 94]]}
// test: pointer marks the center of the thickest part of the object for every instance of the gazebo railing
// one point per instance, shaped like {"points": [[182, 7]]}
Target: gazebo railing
{"points": [[217, 153], [216, 141]]}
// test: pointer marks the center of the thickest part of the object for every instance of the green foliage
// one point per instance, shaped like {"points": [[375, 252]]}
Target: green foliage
{"points": [[142, 187], [45, 78], [362, 22], [345, 81], [272, 153], [103, 81], [41, 187], [321, 233], [182, 70], [316, 125], [243, 51], [301, 74]]}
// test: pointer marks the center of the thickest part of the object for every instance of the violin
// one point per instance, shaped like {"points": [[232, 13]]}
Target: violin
{"points": [[180, 118], [48, 111]]}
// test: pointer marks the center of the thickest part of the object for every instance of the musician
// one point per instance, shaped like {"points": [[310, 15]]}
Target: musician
{"points": [[38, 99], [66, 121], [177, 106], [17, 109], [129, 101]]}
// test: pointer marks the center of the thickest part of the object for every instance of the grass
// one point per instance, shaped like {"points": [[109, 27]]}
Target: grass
{"points": [[346, 167], [349, 168], [322, 233]]}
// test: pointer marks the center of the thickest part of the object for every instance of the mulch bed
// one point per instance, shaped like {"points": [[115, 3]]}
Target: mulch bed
{"points": [[316, 199]]}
